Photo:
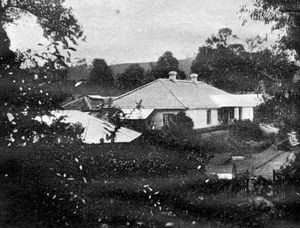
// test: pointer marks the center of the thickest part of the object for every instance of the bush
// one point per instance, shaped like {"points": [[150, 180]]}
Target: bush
{"points": [[246, 130]]}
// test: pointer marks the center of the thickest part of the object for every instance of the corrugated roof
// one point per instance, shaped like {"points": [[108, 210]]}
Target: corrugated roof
{"points": [[168, 94], [95, 128]]}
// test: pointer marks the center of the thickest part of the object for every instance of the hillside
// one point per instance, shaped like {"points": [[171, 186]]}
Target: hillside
{"points": [[82, 72]]}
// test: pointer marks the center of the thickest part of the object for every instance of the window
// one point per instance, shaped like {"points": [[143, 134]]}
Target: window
{"points": [[208, 117], [167, 118]]}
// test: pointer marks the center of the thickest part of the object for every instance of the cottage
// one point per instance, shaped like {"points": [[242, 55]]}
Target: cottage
{"points": [[154, 104]]}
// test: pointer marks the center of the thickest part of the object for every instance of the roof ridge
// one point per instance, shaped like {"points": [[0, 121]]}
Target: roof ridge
{"points": [[173, 94], [198, 82], [87, 102], [136, 89], [71, 102]]}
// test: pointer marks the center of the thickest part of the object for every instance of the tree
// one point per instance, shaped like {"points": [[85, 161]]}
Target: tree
{"points": [[58, 23], [224, 62], [286, 15], [132, 77], [166, 63], [101, 73], [23, 99]]}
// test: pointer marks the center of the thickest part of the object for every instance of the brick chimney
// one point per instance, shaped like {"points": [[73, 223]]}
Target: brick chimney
{"points": [[194, 78], [172, 75]]}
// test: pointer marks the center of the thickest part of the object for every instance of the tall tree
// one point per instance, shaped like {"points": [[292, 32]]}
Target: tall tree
{"points": [[101, 73], [226, 64], [286, 15], [132, 77], [166, 63]]}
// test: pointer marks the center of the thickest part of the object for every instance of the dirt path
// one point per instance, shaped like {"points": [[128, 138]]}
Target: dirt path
{"points": [[263, 163]]}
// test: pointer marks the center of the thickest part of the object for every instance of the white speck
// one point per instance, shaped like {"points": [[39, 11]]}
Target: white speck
{"points": [[199, 167], [169, 224], [10, 117], [80, 167], [78, 84], [206, 181]]}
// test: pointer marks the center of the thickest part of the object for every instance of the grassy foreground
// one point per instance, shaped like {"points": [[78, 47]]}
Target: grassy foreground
{"points": [[136, 185]]}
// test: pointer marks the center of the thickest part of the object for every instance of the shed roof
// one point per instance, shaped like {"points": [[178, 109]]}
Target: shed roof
{"points": [[95, 128]]}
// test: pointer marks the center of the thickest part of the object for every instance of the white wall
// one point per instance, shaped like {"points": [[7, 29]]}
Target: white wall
{"points": [[157, 117], [199, 118], [247, 113]]}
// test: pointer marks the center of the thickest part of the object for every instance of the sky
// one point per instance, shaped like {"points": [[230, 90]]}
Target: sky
{"points": [[142, 30]]}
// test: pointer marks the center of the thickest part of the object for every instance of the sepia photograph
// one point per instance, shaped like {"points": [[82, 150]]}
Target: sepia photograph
{"points": [[150, 113]]}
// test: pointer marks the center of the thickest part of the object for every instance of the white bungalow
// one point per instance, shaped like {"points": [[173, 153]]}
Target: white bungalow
{"points": [[154, 104]]}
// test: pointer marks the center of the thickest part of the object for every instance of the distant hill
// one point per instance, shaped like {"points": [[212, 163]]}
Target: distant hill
{"points": [[77, 73]]}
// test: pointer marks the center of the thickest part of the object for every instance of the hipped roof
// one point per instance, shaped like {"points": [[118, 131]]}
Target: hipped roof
{"points": [[179, 94]]}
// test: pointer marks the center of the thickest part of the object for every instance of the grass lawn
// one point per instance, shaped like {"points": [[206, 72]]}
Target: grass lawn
{"points": [[115, 184]]}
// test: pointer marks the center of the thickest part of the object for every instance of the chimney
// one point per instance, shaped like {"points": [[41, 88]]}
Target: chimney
{"points": [[172, 75], [194, 78]]}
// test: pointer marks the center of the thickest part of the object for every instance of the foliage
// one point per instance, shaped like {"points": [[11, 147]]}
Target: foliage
{"points": [[132, 77], [246, 130], [166, 63], [79, 71], [62, 184], [286, 16], [19, 118], [281, 110], [226, 64], [26, 93], [180, 124], [101, 73]]}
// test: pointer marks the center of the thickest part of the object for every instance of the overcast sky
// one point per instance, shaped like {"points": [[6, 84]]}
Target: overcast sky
{"points": [[141, 30]]}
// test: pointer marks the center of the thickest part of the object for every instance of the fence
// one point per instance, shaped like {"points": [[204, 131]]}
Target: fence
{"points": [[280, 185]]}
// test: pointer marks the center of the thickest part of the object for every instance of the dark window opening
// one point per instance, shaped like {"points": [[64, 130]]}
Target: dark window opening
{"points": [[208, 116]]}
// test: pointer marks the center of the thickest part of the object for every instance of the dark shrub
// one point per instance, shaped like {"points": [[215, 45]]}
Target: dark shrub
{"points": [[246, 130]]}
